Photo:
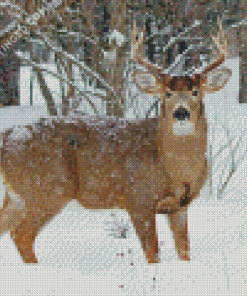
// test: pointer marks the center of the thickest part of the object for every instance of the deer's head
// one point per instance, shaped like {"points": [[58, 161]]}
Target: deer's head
{"points": [[181, 96]]}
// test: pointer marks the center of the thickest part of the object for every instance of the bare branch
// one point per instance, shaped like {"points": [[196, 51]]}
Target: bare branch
{"points": [[137, 52], [74, 60], [221, 48], [233, 166], [180, 56], [81, 93], [46, 93]]}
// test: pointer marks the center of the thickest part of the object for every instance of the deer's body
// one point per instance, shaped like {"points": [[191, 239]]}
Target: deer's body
{"points": [[92, 159], [146, 166], [103, 163]]}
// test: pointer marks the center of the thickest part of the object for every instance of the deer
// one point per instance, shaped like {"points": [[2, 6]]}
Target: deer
{"points": [[144, 166]]}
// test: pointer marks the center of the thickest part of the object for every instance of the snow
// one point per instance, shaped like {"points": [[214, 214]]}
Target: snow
{"points": [[110, 56], [118, 36], [77, 256], [20, 133]]}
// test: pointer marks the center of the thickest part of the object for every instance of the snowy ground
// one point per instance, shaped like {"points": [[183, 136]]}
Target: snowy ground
{"points": [[78, 257]]}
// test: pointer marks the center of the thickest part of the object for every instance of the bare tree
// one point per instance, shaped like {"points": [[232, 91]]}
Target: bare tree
{"points": [[104, 39], [243, 53], [115, 57], [9, 66]]}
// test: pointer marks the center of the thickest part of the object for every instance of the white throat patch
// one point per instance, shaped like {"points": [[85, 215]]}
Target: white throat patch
{"points": [[183, 128]]}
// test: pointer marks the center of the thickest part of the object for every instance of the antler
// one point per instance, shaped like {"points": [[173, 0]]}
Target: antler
{"points": [[221, 47], [137, 49]]}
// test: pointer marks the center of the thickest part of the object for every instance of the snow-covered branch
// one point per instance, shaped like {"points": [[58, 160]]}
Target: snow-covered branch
{"points": [[65, 80], [233, 165], [118, 36], [174, 39], [179, 57], [224, 160], [240, 23], [74, 60]]}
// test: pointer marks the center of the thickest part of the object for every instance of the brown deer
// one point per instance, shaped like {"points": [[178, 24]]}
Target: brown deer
{"points": [[145, 166]]}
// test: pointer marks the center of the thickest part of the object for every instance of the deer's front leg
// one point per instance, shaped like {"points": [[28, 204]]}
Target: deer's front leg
{"points": [[179, 225], [144, 224]]}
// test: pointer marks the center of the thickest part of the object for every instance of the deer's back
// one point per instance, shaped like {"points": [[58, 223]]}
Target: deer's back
{"points": [[93, 159]]}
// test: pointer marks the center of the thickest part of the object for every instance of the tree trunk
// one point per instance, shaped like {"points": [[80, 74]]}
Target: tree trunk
{"points": [[116, 67], [51, 107], [9, 79], [243, 54]]}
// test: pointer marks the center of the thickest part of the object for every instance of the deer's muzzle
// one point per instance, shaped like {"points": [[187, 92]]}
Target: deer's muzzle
{"points": [[181, 113]]}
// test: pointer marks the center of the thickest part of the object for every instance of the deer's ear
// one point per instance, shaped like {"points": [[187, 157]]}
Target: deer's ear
{"points": [[147, 82], [217, 79]]}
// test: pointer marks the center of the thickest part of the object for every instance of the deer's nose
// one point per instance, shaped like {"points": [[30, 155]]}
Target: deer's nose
{"points": [[181, 113]]}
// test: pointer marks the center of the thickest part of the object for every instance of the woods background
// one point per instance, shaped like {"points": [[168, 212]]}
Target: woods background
{"points": [[95, 36]]}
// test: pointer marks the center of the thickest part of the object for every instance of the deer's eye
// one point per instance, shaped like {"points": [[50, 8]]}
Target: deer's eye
{"points": [[194, 93], [168, 94]]}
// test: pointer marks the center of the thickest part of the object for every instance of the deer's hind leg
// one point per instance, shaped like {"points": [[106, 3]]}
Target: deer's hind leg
{"points": [[24, 235]]}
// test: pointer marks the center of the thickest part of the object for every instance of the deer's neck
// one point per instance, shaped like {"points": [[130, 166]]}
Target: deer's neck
{"points": [[181, 145]]}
